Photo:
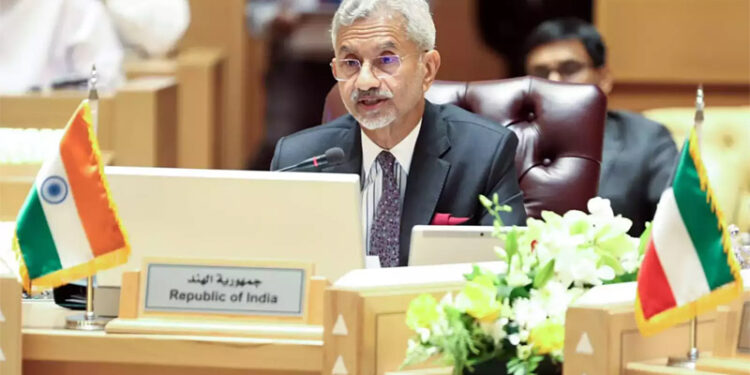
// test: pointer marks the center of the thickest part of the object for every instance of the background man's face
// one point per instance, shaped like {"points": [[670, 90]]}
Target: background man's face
{"points": [[566, 61], [375, 99]]}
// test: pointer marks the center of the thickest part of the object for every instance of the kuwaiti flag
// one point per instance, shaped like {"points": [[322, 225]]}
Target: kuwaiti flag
{"points": [[689, 267], [68, 227]]}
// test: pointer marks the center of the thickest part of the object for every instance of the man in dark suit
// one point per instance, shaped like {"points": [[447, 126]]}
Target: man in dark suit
{"points": [[639, 154], [416, 159]]}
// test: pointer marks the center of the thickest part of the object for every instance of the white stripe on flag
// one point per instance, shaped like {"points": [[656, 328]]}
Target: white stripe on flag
{"points": [[63, 220], [676, 252]]}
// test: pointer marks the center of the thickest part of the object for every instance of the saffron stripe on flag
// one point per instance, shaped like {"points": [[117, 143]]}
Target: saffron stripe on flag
{"points": [[702, 224], [62, 215], [35, 238], [97, 217], [676, 252], [654, 290]]}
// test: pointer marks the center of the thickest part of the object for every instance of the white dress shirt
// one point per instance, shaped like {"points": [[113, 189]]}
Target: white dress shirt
{"points": [[372, 186]]}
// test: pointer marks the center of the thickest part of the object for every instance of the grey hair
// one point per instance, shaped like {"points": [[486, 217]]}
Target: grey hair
{"points": [[420, 27]]}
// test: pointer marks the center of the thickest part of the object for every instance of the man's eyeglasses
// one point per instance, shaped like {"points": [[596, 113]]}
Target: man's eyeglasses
{"points": [[381, 67], [565, 69]]}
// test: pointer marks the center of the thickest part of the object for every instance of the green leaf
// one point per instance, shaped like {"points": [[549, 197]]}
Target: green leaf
{"points": [[486, 202], [511, 243], [495, 199], [609, 260], [544, 274], [519, 292], [503, 291], [475, 271], [624, 278], [645, 237]]}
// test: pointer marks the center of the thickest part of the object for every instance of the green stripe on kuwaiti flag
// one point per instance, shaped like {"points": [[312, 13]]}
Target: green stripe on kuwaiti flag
{"points": [[689, 267], [68, 227]]}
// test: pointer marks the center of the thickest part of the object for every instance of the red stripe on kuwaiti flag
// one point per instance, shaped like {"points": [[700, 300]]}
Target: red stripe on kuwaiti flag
{"points": [[68, 227], [689, 267]]}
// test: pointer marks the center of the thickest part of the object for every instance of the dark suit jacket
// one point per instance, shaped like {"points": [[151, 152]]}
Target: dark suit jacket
{"points": [[637, 163], [458, 155]]}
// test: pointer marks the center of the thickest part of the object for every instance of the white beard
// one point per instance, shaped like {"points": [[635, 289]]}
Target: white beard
{"points": [[377, 122]]}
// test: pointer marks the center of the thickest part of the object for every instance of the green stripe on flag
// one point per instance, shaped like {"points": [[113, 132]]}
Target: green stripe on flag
{"points": [[35, 238], [701, 223]]}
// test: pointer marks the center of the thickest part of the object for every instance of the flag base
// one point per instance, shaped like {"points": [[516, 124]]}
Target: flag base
{"points": [[84, 322], [687, 361], [681, 362]]}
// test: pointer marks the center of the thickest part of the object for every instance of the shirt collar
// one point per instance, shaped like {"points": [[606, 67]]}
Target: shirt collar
{"points": [[403, 151]]}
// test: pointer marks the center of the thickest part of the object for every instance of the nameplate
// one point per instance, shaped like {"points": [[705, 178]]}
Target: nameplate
{"points": [[225, 288]]}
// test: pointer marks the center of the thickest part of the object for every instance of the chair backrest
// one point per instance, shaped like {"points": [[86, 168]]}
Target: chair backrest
{"points": [[560, 129]]}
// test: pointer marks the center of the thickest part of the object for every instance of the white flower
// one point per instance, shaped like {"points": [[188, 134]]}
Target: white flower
{"points": [[514, 339], [516, 275], [631, 260], [523, 351], [523, 334], [506, 311], [447, 300], [424, 334], [554, 297], [501, 253], [496, 329], [528, 313], [600, 208], [605, 273]]}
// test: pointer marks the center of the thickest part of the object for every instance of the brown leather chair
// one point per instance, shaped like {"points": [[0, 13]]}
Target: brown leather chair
{"points": [[559, 126]]}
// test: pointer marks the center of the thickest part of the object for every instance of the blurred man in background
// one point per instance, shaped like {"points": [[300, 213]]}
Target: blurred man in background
{"points": [[504, 24], [53, 44], [49, 44], [639, 154]]}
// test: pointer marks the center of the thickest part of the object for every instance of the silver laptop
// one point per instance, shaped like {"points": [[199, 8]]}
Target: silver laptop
{"points": [[437, 244], [246, 215]]}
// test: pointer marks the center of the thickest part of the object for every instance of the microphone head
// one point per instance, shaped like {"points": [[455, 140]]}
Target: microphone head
{"points": [[334, 155]]}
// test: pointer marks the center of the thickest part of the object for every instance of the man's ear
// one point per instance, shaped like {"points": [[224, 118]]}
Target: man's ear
{"points": [[431, 64], [606, 80]]}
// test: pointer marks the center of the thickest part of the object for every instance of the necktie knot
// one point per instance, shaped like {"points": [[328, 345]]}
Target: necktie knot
{"points": [[386, 160]]}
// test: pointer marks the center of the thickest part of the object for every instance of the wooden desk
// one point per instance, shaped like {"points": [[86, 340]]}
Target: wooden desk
{"points": [[137, 122], [197, 72], [63, 352], [705, 366], [50, 349]]}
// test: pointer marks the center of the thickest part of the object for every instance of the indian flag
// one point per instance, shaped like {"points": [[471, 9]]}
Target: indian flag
{"points": [[689, 267], [68, 227]]}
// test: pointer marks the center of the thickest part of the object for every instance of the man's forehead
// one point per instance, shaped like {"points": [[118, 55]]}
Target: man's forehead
{"points": [[379, 32], [355, 46]]}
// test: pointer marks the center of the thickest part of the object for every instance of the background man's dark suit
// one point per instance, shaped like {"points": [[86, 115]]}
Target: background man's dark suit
{"points": [[637, 162], [458, 156]]}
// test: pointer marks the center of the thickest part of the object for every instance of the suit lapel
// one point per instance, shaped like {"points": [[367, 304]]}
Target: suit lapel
{"points": [[612, 146], [427, 175], [350, 142]]}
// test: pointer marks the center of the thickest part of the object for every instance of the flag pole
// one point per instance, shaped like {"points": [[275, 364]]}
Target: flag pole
{"points": [[89, 321], [692, 354]]}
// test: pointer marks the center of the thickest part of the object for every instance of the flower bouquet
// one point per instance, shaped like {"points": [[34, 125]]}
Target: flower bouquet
{"points": [[514, 322]]}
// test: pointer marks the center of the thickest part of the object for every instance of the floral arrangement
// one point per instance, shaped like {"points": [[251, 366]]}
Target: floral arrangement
{"points": [[517, 318]]}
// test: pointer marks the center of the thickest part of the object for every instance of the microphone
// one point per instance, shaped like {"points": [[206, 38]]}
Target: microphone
{"points": [[333, 156]]}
